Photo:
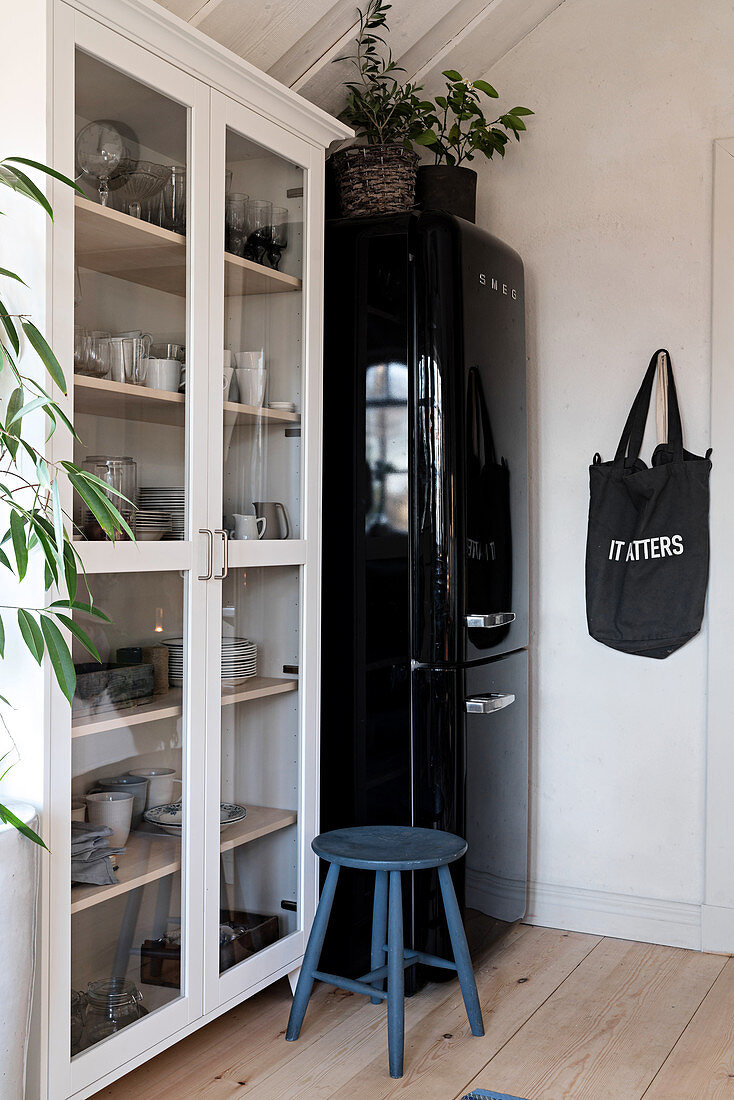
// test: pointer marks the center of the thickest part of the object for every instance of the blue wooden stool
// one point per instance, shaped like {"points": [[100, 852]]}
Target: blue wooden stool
{"points": [[387, 850]]}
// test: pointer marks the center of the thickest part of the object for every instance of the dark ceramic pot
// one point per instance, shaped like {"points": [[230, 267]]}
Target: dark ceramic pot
{"points": [[448, 188]]}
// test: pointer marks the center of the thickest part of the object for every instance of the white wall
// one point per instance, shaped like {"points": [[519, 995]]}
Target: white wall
{"points": [[608, 200]]}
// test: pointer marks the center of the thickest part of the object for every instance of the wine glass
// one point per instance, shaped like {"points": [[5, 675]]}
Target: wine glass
{"points": [[279, 238], [99, 150]]}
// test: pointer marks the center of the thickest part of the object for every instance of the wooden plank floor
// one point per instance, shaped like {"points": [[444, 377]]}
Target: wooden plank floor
{"points": [[566, 1016]]}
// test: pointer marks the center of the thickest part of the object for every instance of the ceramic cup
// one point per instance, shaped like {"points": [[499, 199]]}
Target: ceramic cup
{"points": [[161, 785], [253, 360], [78, 809], [251, 384], [227, 375], [249, 527], [163, 374], [136, 785], [113, 809]]}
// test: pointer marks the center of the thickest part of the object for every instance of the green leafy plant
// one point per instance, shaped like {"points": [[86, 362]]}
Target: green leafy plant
{"points": [[30, 501], [456, 128], [379, 107]]}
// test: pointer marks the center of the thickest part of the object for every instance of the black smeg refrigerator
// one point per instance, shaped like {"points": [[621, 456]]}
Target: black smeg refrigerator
{"points": [[425, 565]]}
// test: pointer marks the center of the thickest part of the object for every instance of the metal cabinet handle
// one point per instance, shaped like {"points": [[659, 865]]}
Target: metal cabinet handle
{"points": [[225, 562], [487, 704], [498, 618], [210, 545]]}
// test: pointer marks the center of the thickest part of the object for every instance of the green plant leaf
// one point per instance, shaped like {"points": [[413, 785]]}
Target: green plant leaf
{"points": [[20, 546], [8, 818], [2, 638], [79, 634], [31, 406], [31, 633], [47, 356], [60, 657], [70, 570], [451, 74], [9, 326], [521, 111], [483, 86], [78, 605], [45, 168], [26, 187], [426, 138], [11, 275], [5, 560]]}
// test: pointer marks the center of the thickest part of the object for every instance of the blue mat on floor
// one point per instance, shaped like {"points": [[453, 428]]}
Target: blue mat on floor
{"points": [[482, 1094]]}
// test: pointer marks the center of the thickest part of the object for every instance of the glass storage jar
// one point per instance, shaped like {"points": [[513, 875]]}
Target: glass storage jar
{"points": [[112, 1004]]}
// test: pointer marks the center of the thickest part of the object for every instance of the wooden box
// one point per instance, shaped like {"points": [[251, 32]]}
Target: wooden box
{"points": [[106, 687]]}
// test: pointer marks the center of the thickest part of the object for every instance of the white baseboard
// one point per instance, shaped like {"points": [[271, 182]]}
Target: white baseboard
{"points": [[717, 929], [651, 920]]}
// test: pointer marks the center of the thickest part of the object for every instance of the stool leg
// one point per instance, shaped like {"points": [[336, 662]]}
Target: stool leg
{"points": [[379, 929], [395, 979], [312, 956], [461, 952]]}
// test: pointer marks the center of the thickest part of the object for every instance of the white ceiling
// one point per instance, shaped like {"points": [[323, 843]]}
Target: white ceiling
{"points": [[296, 40]]}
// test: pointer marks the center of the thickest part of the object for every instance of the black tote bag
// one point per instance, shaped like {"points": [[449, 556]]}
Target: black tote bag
{"points": [[489, 534], [647, 551]]}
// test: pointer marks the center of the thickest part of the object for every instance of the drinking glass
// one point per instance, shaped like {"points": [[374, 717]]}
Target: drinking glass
{"points": [[279, 241], [235, 220], [174, 200], [260, 229], [81, 349], [98, 357]]}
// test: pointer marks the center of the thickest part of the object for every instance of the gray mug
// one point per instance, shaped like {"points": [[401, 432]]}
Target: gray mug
{"points": [[135, 785], [271, 511]]}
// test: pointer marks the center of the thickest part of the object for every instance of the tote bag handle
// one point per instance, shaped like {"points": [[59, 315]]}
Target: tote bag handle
{"points": [[630, 443]]}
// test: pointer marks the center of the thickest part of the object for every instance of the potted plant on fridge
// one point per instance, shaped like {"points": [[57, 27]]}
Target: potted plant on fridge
{"points": [[377, 174], [456, 130], [33, 534]]}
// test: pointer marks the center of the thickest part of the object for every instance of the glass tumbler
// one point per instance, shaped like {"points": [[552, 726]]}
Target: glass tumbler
{"points": [[98, 357], [235, 223], [112, 1004], [174, 200], [260, 229]]}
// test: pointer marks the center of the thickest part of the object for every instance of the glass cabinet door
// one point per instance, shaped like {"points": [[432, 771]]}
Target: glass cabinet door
{"points": [[258, 326], [140, 131]]}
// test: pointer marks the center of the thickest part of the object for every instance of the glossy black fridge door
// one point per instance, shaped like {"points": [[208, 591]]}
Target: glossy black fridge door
{"points": [[496, 791], [469, 453]]}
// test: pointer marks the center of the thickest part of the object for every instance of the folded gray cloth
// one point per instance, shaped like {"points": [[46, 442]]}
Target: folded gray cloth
{"points": [[90, 854], [99, 873]]}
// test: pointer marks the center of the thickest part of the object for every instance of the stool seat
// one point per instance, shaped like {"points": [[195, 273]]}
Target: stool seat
{"points": [[387, 850], [389, 847]]}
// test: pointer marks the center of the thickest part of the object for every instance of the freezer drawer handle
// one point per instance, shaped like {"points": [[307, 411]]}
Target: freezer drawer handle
{"points": [[486, 704], [498, 618]]}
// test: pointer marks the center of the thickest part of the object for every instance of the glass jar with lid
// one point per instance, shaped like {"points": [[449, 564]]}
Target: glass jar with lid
{"points": [[112, 1004]]}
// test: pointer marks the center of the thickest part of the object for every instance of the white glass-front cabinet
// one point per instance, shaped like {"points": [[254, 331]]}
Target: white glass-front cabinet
{"points": [[193, 276]]}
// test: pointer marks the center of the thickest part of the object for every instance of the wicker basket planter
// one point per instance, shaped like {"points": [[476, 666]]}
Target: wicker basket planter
{"points": [[374, 179]]}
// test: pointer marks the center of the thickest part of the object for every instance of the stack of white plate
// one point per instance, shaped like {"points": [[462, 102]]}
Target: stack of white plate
{"points": [[239, 660], [165, 498], [151, 526]]}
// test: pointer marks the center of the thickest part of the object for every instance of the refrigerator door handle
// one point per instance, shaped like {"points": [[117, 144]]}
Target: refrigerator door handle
{"points": [[497, 618], [487, 704]]}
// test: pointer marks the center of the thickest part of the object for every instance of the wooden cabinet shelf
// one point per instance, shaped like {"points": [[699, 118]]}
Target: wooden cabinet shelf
{"points": [[138, 252], [122, 401], [170, 706], [151, 854]]}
